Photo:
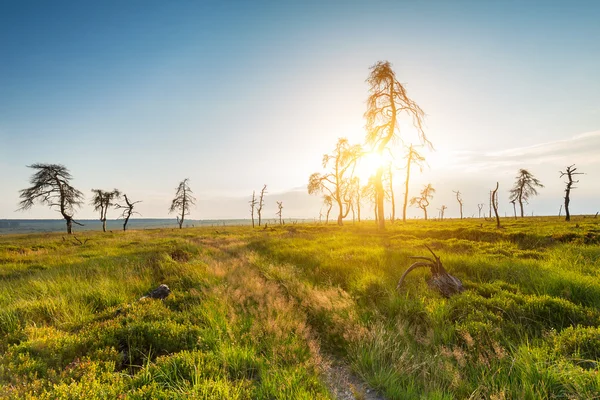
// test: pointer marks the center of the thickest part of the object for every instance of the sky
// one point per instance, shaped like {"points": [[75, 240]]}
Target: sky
{"points": [[138, 95]]}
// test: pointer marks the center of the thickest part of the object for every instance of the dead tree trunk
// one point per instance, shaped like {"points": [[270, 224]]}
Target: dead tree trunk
{"points": [[440, 280], [569, 173], [494, 201]]}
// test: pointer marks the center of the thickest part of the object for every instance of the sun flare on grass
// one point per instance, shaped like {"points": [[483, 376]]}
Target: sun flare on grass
{"points": [[368, 164]]}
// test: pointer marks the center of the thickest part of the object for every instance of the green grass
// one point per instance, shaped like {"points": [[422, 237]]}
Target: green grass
{"points": [[255, 313]]}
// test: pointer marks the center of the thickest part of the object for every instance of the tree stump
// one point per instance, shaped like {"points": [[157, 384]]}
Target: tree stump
{"points": [[441, 280]]}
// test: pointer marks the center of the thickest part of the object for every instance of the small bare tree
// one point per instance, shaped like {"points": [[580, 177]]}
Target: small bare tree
{"points": [[252, 206], [328, 202], [442, 210], [102, 200], [390, 182], [356, 195], [423, 200], [127, 210], [494, 201], [570, 172], [514, 203], [525, 187], [51, 186], [480, 207], [183, 201], [280, 208], [261, 203], [460, 203], [412, 157]]}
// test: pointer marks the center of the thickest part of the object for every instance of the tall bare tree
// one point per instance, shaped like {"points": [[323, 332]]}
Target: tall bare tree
{"points": [[524, 187], [261, 203], [183, 201], [386, 102], [423, 200], [127, 210], [460, 202], [494, 201], [337, 182], [412, 157], [570, 172], [51, 186], [280, 210], [252, 206], [102, 200]]}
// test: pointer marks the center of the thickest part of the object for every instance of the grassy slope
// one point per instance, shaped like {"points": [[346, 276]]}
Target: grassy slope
{"points": [[254, 312]]}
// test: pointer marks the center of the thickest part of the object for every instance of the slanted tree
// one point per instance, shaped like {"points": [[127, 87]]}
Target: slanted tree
{"points": [[514, 203], [51, 186], [337, 182], [252, 206], [412, 157], [102, 200], [279, 212], [423, 200], [261, 203], [127, 210], [460, 203], [494, 201], [524, 187], [182, 202], [386, 102], [570, 172]]}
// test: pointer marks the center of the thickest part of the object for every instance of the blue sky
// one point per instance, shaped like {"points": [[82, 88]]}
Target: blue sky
{"points": [[141, 94]]}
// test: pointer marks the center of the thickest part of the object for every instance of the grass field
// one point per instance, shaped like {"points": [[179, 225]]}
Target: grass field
{"points": [[262, 313]]}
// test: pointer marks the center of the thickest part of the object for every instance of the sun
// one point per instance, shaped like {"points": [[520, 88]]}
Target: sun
{"points": [[367, 166]]}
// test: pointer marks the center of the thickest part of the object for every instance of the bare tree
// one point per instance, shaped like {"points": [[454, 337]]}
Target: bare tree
{"points": [[480, 207], [280, 208], [327, 201], [387, 101], [101, 201], [338, 181], [494, 200], [423, 200], [514, 203], [442, 210], [50, 186], [261, 203], [525, 186], [183, 201], [390, 177], [369, 192], [570, 172], [252, 206], [356, 195], [127, 210], [412, 157], [459, 199]]}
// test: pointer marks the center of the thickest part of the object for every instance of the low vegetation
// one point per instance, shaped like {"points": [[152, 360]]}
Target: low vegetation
{"points": [[263, 313]]}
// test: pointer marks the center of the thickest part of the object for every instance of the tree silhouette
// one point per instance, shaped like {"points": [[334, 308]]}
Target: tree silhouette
{"points": [[261, 203], [101, 201], [412, 157], [386, 102], [442, 209], [252, 206], [514, 203], [183, 201], [127, 210], [524, 187], [480, 207], [423, 200], [338, 181], [494, 201], [279, 212], [460, 203], [50, 186], [570, 172]]}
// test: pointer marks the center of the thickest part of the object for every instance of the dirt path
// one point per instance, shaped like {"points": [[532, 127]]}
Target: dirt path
{"points": [[344, 385]]}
